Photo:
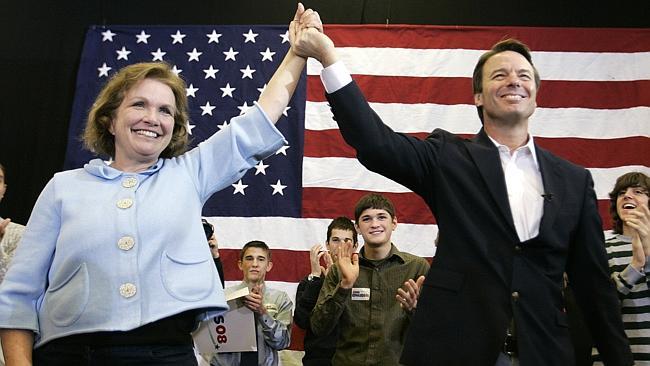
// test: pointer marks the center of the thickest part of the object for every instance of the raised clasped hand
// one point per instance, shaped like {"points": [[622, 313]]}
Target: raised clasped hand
{"points": [[304, 19], [307, 38]]}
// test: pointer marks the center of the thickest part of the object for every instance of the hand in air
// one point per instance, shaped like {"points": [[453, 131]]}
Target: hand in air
{"points": [[348, 262], [307, 38]]}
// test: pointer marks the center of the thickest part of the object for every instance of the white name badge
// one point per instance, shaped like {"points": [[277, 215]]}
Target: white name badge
{"points": [[360, 294]]}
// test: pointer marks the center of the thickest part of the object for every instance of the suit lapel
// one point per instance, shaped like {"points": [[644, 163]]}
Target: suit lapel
{"points": [[488, 162], [553, 188]]}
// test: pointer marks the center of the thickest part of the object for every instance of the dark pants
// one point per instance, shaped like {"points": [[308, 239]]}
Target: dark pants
{"points": [[80, 355]]}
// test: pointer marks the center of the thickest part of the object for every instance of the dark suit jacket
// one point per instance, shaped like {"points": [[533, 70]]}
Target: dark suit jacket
{"points": [[483, 276]]}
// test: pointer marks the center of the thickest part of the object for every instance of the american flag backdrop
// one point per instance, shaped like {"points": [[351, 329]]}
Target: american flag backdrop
{"points": [[593, 109]]}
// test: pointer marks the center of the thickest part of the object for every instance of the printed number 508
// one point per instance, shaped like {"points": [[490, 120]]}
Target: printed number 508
{"points": [[220, 330]]}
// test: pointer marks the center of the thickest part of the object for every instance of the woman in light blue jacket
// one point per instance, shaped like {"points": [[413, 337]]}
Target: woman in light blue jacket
{"points": [[112, 265]]}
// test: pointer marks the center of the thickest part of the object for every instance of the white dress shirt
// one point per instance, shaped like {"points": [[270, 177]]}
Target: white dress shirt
{"points": [[525, 187]]}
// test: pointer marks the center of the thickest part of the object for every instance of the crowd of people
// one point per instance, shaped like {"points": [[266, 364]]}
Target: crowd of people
{"points": [[113, 271]]}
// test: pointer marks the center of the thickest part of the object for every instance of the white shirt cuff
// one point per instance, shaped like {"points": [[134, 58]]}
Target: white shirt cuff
{"points": [[335, 77]]}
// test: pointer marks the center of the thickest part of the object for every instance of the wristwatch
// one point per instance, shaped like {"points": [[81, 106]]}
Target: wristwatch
{"points": [[311, 277]]}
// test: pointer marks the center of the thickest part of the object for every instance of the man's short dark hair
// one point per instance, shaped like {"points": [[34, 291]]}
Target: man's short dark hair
{"points": [[509, 44], [342, 223], [625, 181], [255, 244], [376, 201]]}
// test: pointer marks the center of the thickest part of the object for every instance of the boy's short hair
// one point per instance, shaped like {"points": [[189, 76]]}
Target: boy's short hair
{"points": [[342, 223], [376, 201], [255, 244]]}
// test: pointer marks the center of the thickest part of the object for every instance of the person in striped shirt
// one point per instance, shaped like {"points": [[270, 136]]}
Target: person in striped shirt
{"points": [[628, 252]]}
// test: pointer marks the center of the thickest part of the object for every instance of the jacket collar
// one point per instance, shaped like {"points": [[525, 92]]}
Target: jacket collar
{"points": [[486, 156], [488, 162], [554, 190], [102, 169]]}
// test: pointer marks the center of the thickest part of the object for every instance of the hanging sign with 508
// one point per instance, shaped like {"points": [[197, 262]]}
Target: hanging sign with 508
{"points": [[220, 332]]}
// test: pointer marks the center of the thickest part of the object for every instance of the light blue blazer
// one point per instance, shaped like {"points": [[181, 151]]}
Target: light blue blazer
{"points": [[106, 250]]}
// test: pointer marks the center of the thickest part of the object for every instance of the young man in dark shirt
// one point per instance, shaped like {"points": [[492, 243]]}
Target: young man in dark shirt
{"points": [[370, 295], [320, 349]]}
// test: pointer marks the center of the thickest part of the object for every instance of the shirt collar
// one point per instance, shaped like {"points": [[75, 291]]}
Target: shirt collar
{"points": [[393, 254], [530, 145]]}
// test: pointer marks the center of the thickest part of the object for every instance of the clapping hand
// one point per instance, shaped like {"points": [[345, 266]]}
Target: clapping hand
{"points": [[214, 246], [407, 296], [255, 300], [639, 221], [315, 256], [348, 262]]}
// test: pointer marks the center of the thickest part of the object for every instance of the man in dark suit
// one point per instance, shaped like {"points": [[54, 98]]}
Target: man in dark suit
{"points": [[512, 217]]}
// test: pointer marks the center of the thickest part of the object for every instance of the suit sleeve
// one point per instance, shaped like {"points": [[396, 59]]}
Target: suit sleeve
{"points": [[402, 158], [592, 286]]}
